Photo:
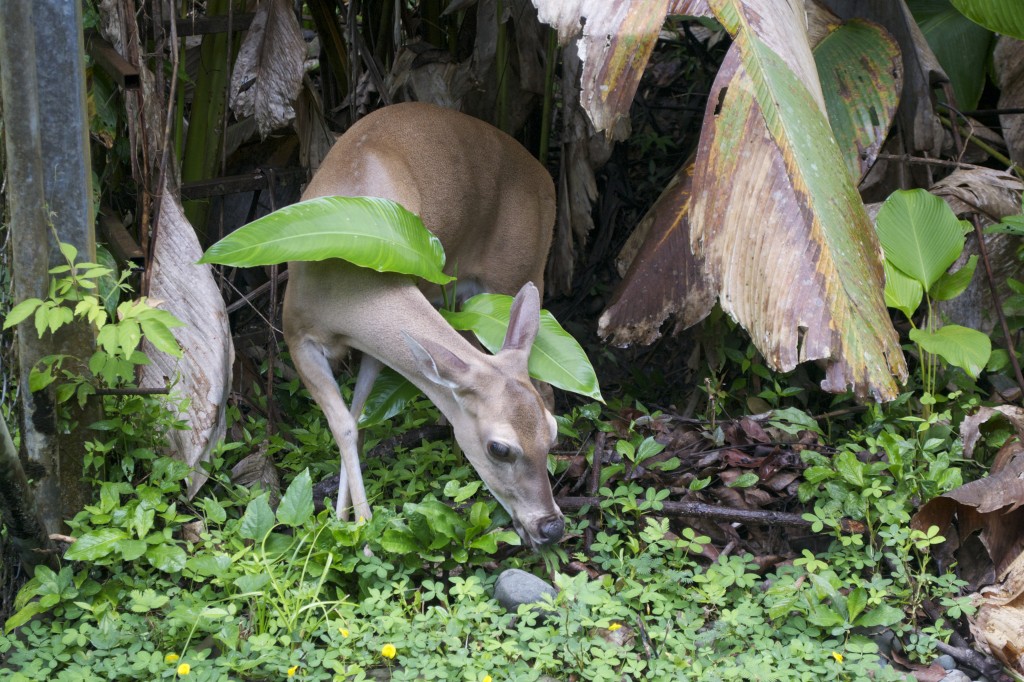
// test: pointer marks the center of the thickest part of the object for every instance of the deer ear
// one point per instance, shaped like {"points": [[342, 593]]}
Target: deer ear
{"points": [[437, 363], [524, 319]]}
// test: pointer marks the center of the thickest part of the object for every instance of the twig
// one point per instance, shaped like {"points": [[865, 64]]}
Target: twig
{"points": [[985, 665], [715, 513], [600, 441], [258, 291], [997, 303], [133, 391], [925, 161]]}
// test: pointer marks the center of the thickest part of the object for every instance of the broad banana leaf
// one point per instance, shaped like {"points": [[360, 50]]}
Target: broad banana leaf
{"points": [[861, 76], [921, 70], [189, 291], [664, 278], [770, 270], [1008, 67], [787, 242], [1001, 16], [269, 68], [616, 40], [960, 45]]}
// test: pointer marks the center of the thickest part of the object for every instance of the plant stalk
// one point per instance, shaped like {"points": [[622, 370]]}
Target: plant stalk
{"points": [[549, 95], [998, 304]]}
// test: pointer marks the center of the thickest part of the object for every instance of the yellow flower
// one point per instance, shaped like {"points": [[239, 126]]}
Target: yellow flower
{"points": [[614, 626], [487, 678], [838, 656], [343, 631], [171, 658], [388, 651], [184, 669], [292, 670]]}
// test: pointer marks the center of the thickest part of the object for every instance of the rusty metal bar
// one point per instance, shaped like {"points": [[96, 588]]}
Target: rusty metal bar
{"points": [[117, 67], [49, 175], [247, 182], [211, 24], [124, 247]]}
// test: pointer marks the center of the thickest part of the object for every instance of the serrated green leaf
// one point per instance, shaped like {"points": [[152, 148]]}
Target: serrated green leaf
{"points": [[96, 544], [23, 616], [21, 312], [132, 549], [69, 251], [166, 557], [824, 617], [746, 480], [817, 474], [441, 519], [398, 541], [368, 231], [252, 583], [296, 506], [485, 543], [850, 468], [161, 337], [961, 347], [208, 565], [881, 616], [257, 520], [856, 601], [129, 336], [214, 510], [556, 357]]}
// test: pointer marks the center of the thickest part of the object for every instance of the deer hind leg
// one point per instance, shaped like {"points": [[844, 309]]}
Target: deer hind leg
{"points": [[316, 374]]}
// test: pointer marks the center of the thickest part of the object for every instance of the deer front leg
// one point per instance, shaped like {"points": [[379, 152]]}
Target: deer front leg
{"points": [[316, 374]]}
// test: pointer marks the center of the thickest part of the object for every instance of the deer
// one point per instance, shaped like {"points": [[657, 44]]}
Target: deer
{"points": [[492, 205]]}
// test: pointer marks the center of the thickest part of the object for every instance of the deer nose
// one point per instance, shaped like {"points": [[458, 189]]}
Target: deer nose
{"points": [[550, 529]]}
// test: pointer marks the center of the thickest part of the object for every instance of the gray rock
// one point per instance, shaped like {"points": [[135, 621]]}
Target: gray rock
{"points": [[515, 587], [956, 676], [946, 661], [885, 642]]}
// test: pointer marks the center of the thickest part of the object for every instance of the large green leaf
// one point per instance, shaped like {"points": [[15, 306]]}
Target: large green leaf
{"points": [[961, 46], [258, 519], [167, 557], [1001, 16], [556, 358], [902, 292], [961, 347], [860, 70], [776, 216], [95, 544], [919, 233], [390, 395], [952, 284], [368, 231], [296, 506]]}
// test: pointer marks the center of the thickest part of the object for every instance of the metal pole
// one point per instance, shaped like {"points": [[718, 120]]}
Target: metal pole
{"points": [[49, 184]]}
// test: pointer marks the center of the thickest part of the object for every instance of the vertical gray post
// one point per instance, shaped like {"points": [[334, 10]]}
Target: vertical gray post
{"points": [[42, 86]]}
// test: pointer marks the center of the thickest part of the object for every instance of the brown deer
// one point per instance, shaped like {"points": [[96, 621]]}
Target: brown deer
{"points": [[492, 205]]}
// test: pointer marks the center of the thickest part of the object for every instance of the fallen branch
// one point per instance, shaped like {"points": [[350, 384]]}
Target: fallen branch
{"points": [[712, 512]]}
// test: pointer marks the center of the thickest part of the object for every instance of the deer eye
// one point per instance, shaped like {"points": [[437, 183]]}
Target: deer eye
{"points": [[500, 451]]}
